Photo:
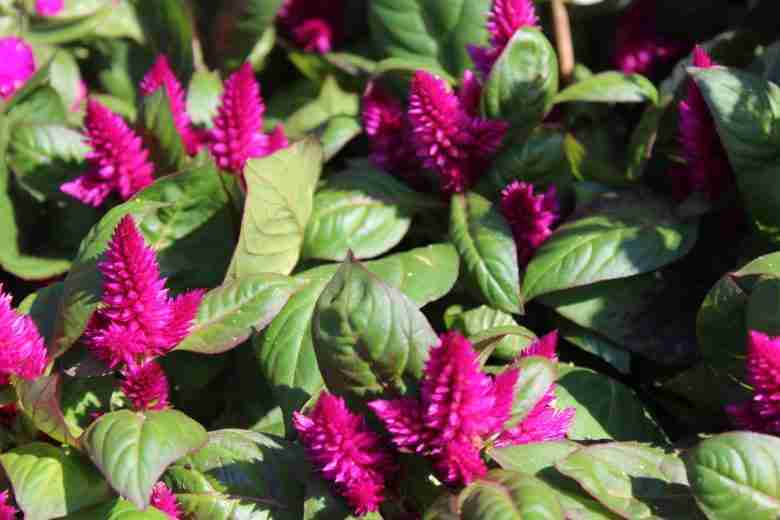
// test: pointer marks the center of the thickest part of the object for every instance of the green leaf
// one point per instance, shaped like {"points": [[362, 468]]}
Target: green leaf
{"points": [[82, 397], [56, 31], [507, 495], [40, 400], [410, 65], [203, 97], [363, 210], [240, 474], [118, 509], [616, 236], [320, 502], [522, 82], [633, 480], [242, 24], [278, 205], [539, 159], [596, 345], [643, 138], [433, 31], [484, 318], [735, 475], [484, 241], [42, 306], [534, 457], [537, 375], [605, 408], [161, 134], [331, 102], [230, 313], [368, 337], [762, 309], [133, 449], [336, 133], [168, 30], [52, 482], [610, 87]]}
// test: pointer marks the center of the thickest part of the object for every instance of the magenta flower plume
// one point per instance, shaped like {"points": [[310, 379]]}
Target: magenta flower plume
{"points": [[506, 17], [48, 7], [164, 500], [544, 347], [161, 75], [22, 352], [119, 163], [137, 319], [312, 25], [640, 48], [7, 511], [342, 448], [461, 410], [531, 217], [446, 137], [708, 170], [145, 386], [762, 412], [238, 127], [17, 64]]}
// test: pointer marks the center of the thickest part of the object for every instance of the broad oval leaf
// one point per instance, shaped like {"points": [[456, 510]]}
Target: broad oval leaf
{"points": [[133, 449], [436, 31], [610, 87], [40, 400], [511, 496], [633, 480], [615, 236], [534, 457], [736, 475], [51, 482], [522, 82], [369, 337], [230, 313], [484, 241], [278, 205], [539, 159]]}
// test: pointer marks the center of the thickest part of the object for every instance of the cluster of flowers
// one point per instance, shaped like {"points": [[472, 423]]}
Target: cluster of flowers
{"points": [[460, 411], [762, 412]]}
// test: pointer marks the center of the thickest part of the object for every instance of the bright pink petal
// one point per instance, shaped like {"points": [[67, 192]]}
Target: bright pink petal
{"points": [[506, 17], [504, 391], [403, 419], [145, 386], [459, 462], [7, 511], [342, 448], [543, 423], [530, 216], [470, 93], [184, 308], [640, 47], [762, 412], [48, 7], [164, 500], [22, 352], [312, 25], [90, 188], [17, 64], [545, 347]]}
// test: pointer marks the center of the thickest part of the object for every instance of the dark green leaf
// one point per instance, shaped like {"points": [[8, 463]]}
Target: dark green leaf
{"points": [[161, 134], [610, 87], [330, 103], [168, 30], [540, 159], [56, 31], [484, 318], [735, 476], [118, 509], [368, 337], [507, 495], [133, 449], [242, 23], [40, 400], [484, 241]]}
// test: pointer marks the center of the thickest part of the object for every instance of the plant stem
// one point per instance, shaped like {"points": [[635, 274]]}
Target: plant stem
{"points": [[563, 40]]}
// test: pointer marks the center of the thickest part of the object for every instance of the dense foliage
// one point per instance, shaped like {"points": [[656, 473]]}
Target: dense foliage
{"points": [[325, 259]]}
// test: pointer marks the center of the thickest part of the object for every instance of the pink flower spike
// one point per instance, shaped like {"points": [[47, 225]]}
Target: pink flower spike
{"points": [[640, 48], [708, 170], [403, 420], [7, 511], [17, 64], [161, 75], [312, 25], [137, 319], [342, 448], [506, 17], [470, 93], [530, 216], [164, 500], [118, 159], [762, 412], [145, 386], [238, 127], [22, 352], [544, 347], [48, 7], [543, 423], [446, 138]]}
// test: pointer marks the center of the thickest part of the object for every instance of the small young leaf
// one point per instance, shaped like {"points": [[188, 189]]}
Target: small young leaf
{"points": [[610, 87]]}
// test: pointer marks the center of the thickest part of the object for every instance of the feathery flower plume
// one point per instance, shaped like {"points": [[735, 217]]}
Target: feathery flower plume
{"points": [[345, 452], [238, 127], [48, 7], [312, 25], [7, 511], [146, 386], [531, 217], [118, 159], [17, 64], [164, 500], [762, 412], [505, 18], [22, 352], [161, 75], [543, 347], [446, 137], [137, 320], [640, 48], [461, 409], [708, 170]]}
